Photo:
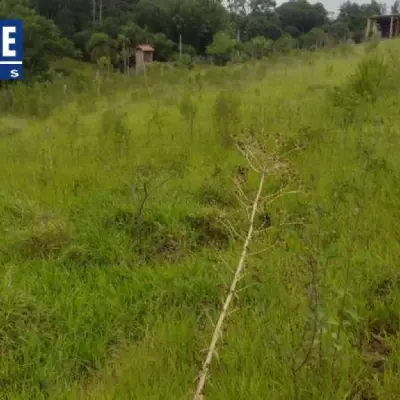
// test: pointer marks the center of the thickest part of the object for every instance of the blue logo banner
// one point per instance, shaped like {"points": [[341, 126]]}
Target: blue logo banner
{"points": [[11, 49]]}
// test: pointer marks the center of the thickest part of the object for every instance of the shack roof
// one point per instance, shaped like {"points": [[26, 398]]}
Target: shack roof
{"points": [[145, 48], [383, 17]]}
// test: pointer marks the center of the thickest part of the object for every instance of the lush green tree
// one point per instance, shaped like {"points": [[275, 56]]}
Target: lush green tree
{"points": [[355, 16], [43, 41], [125, 50], [135, 34], [199, 20], [221, 47], [316, 37], [164, 47], [70, 16], [260, 25], [262, 6], [292, 31], [302, 15], [285, 43], [237, 7], [261, 46], [154, 15], [339, 30], [101, 45], [196, 20]]}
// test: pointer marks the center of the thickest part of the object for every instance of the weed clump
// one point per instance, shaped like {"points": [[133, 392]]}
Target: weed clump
{"points": [[22, 320], [114, 131], [22, 314], [76, 254], [15, 212], [373, 78], [373, 44], [45, 240], [212, 195], [188, 110], [208, 228], [226, 115], [370, 79], [158, 239], [156, 236]]}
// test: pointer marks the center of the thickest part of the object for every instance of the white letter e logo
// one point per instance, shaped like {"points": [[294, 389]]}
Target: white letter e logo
{"points": [[7, 41]]}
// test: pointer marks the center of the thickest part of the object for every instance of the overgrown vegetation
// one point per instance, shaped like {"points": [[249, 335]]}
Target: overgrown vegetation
{"points": [[122, 213]]}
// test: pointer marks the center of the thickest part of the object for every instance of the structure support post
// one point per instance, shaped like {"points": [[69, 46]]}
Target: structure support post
{"points": [[391, 27], [368, 29]]}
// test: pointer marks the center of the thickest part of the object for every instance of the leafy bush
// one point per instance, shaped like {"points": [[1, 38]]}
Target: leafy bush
{"points": [[371, 78]]}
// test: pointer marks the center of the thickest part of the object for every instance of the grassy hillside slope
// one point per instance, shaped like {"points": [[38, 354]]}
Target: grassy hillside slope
{"points": [[113, 246]]}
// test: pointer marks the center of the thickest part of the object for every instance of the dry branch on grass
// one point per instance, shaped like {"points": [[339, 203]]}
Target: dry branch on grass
{"points": [[232, 290], [264, 165]]}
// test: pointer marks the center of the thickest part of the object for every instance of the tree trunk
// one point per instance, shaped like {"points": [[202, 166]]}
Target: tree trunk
{"points": [[125, 60], [94, 10], [100, 11]]}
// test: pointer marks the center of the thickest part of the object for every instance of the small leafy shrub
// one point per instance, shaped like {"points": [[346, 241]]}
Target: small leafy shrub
{"points": [[373, 77], [186, 61], [370, 79]]}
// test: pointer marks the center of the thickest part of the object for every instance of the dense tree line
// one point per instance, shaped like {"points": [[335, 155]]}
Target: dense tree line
{"points": [[91, 29]]}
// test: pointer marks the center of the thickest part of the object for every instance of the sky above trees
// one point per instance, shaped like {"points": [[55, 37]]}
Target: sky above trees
{"points": [[332, 5]]}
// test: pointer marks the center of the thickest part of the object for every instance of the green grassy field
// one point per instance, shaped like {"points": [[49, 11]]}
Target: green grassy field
{"points": [[114, 245]]}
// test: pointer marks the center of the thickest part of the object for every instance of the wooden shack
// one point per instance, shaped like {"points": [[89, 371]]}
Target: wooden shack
{"points": [[388, 26], [144, 55]]}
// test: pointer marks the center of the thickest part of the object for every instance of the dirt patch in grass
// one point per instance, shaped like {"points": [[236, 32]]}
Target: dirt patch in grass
{"points": [[208, 228], [376, 348], [384, 287]]}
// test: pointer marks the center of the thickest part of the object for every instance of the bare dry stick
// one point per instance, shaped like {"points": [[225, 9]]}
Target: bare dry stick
{"points": [[238, 273]]}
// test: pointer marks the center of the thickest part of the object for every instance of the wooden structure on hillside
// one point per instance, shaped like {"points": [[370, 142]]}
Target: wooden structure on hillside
{"points": [[144, 55], [387, 26]]}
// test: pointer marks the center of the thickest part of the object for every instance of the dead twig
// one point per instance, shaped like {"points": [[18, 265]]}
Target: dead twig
{"points": [[238, 273], [228, 225], [142, 203], [264, 165]]}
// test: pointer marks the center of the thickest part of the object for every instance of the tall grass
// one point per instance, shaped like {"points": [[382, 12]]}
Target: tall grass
{"points": [[113, 257]]}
